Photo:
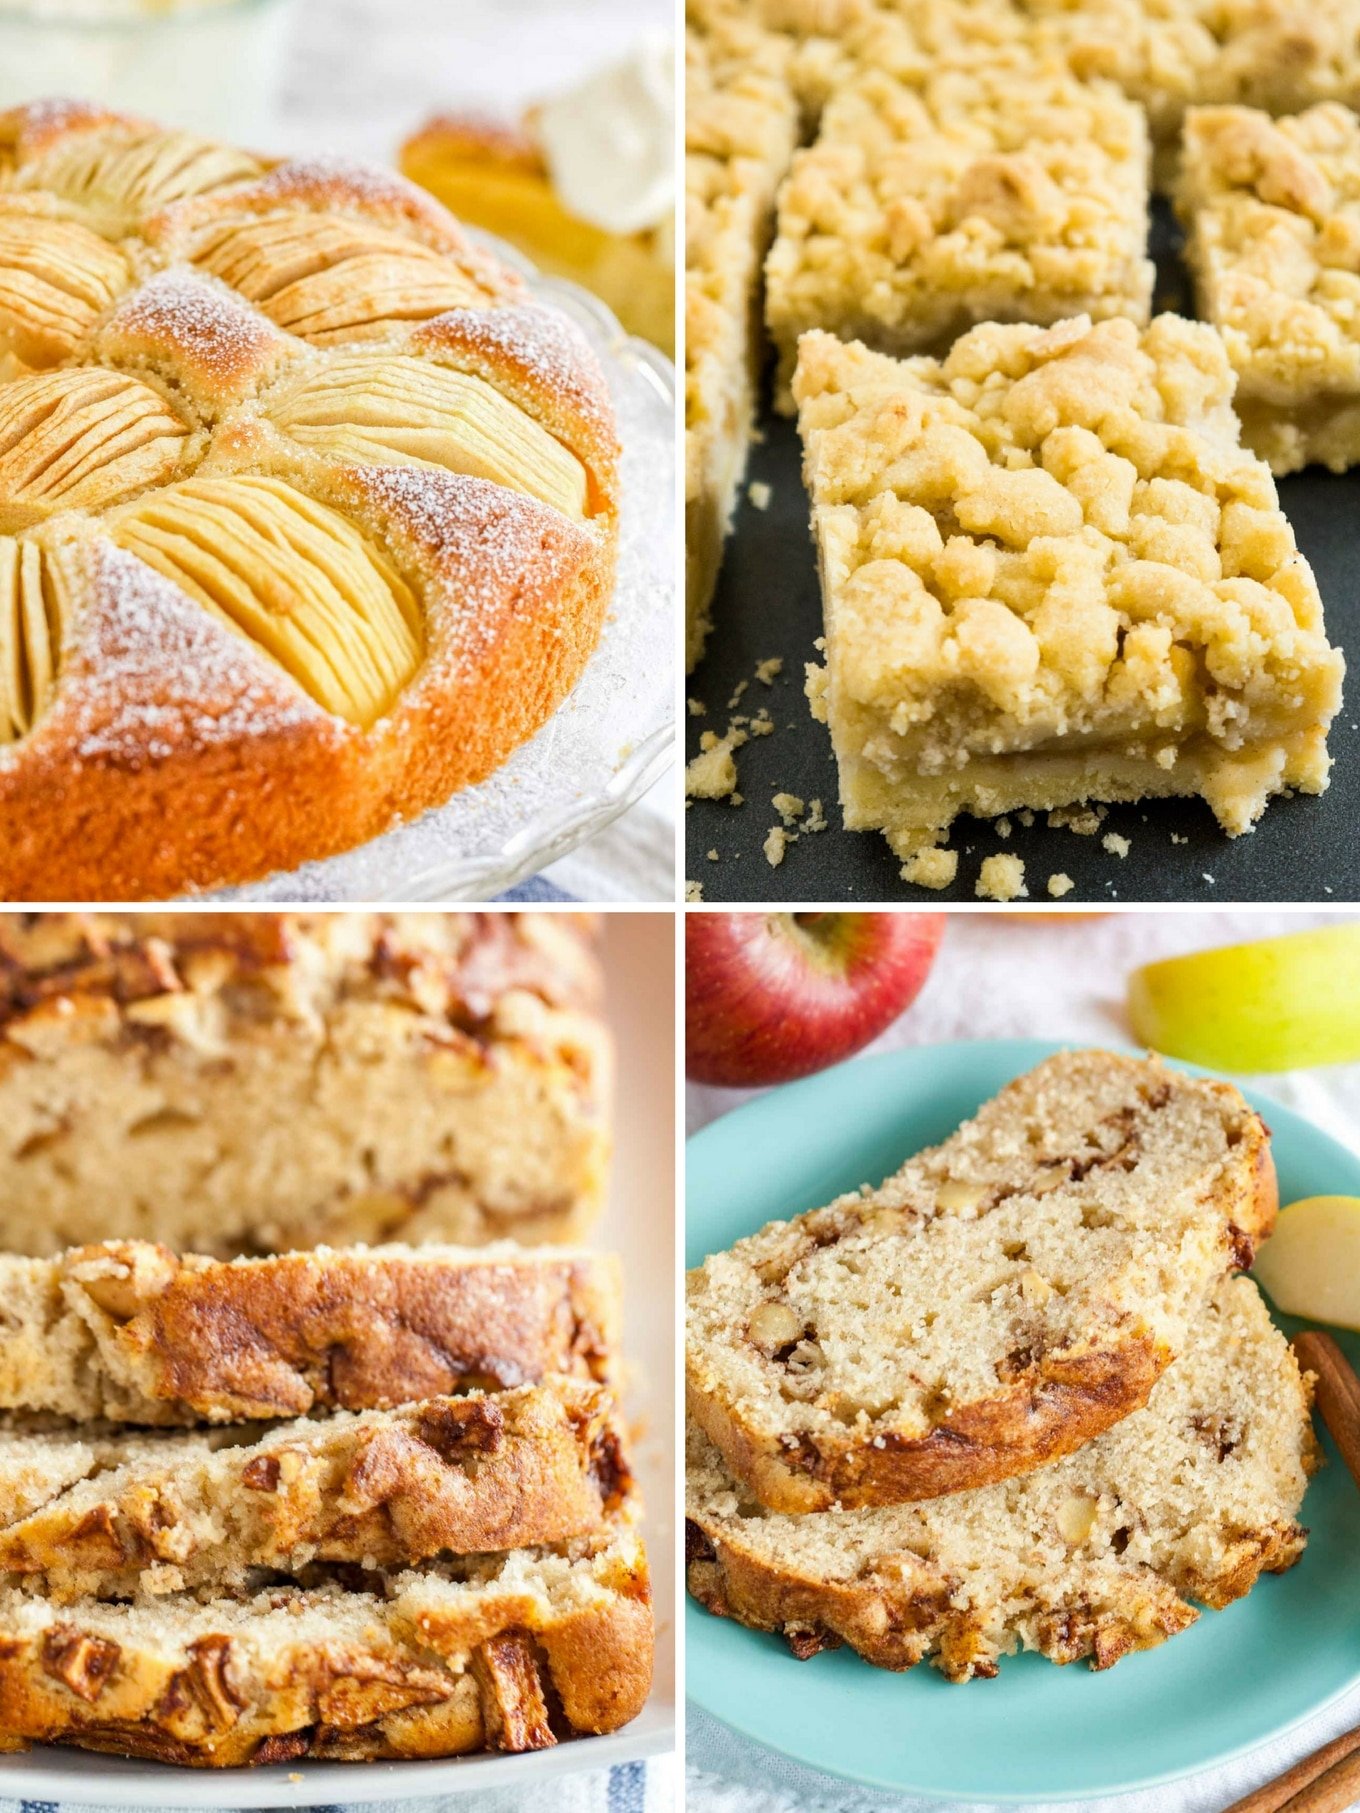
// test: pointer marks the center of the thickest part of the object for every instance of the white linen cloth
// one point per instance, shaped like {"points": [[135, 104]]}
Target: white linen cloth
{"points": [[998, 978]]}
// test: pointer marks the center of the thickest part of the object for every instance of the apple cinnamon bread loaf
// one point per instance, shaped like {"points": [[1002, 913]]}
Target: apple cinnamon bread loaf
{"points": [[130, 1332], [308, 511], [1001, 1300], [234, 1082], [379, 1488], [508, 1652], [1190, 1498]]}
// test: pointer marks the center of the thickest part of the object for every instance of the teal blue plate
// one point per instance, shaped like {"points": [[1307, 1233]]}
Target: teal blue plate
{"points": [[1037, 1732]]}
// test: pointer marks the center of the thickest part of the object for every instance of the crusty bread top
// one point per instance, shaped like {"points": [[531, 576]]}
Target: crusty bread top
{"points": [[1001, 1299], [131, 1331], [483, 1472], [1185, 1499]]}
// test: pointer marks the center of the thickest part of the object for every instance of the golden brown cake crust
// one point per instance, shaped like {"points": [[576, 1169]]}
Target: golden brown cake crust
{"points": [[177, 1340], [150, 716], [511, 1665]]}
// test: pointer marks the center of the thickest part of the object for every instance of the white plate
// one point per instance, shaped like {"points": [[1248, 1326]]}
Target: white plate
{"points": [[639, 1223], [610, 739]]}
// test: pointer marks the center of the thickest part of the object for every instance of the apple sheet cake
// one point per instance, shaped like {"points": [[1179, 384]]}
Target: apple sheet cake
{"points": [[1051, 575], [1272, 212], [985, 187]]}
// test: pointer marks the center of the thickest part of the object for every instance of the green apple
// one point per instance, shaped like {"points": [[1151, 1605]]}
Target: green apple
{"points": [[1310, 1266], [1272, 1005]]}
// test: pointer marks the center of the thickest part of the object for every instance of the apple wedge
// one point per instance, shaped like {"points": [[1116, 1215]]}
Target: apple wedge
{"points": [[1271, 1005], [1310, 1266]]}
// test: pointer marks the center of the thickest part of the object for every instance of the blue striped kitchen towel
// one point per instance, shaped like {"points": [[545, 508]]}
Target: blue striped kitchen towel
{"points": [[643, 1787]]}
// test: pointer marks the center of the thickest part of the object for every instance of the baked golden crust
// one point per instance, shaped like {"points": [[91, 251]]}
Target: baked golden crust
{"points": [[1190, 1498], [128, 1331], [342, 529], [970, 1390], [464, 1475], [263, 1083], [513, 1654]]}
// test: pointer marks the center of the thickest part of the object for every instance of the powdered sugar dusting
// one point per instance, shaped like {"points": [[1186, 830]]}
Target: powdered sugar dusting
{"points": [[541, 345], [494, 551], [158, 675], [181, 313]]}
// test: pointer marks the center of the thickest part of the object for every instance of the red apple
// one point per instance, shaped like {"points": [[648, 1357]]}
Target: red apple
{"points": [[770, 996]]}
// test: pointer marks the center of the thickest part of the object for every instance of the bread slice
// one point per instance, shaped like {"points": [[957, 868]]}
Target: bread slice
{"points": [[129, 1331], [253, 1082], [1190, 1498], [383, 1488], [512, 1652], [1001, 1300]]}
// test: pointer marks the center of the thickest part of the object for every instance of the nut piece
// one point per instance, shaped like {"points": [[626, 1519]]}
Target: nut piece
{"points": [[883, 1220], [773, 1325], [1048, 1179], [959, 1198], [1076, 1517]]}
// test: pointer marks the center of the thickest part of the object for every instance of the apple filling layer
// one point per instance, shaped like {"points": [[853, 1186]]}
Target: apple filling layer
{"points": [[1051, 575]]}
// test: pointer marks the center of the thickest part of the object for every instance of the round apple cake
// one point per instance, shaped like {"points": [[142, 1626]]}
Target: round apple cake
{"points": [[308, 510]]}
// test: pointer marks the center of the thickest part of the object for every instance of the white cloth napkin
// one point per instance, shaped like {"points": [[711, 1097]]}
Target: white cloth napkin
{"points": [[1000, 977], [626, 1788]]}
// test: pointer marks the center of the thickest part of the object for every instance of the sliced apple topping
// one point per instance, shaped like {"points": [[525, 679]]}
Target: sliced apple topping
{"points": [[292, 576], [120, 176], [326, 277], [81, 439], [33, 614], [56, 279], [377, 408]]}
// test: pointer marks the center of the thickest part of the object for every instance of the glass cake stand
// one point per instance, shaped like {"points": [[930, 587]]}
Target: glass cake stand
{"points": [[611, 738]]}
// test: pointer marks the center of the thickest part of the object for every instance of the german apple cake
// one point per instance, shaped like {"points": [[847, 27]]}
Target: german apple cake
{"points": [[228, 1083], [309, 511], [508, 1652], [127, 1331], [1002, 1299], [155, 1514], [1190, 1498]]}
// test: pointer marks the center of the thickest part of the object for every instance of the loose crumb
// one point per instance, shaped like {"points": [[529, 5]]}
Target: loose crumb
{"points": [[713, 773], [1060, 884], [931, 868], [713, 856], [768, 671], [1001, 878], [762, 724], [694, 890], [1176, 838], [1115, 844], [1002, 828], [816, 818], [735, 700], [1026, 817], [1084, 820], [696, 707], [760, 494], [775, 845], [788, 806]]}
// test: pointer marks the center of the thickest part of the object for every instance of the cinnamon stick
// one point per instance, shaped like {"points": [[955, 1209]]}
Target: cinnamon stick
{"points": [[1273, 1796], [1338, 1392], [1331, 1792]]}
